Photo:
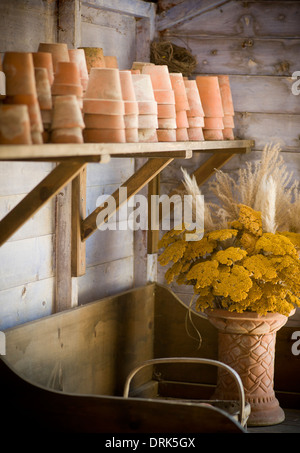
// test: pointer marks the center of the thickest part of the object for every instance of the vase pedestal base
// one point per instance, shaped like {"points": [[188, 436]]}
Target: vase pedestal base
{"points": [[266, 414]]}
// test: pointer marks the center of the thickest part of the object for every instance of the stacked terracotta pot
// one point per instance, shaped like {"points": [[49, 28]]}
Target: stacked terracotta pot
{"points": [[21, 89], [210, 96], [181, 105], [103, 107], [131, 108], [147, 118], [43, 66], [228, 109], [15, 128], [78, 56], [67, 122], [59, 52], [164, 96], [195, 114], [111, 61], [67, 81]]}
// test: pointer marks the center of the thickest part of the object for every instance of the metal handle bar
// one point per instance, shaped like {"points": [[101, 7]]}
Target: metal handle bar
{"points": [[197, 361]]}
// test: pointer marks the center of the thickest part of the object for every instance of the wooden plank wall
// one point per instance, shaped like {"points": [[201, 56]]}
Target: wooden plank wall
{"points": [[28, 262], [258, 44]]}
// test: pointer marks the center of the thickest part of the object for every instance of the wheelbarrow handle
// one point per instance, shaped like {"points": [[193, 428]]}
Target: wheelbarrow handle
{"points": [[234, 374]]}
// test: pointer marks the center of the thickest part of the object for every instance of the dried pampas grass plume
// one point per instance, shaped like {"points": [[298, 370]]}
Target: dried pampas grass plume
{"points": [[264, 185]]}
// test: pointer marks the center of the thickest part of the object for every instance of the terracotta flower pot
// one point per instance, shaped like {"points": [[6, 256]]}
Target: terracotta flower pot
{"points": [[93, 121], [94, 57], [147, 107], [67, 135], [138, 65], [34, 111], [228, 121], [210, 95], [44, 60], [67, 73], [101, 106], [167, 123], [195, 133], [247, 344], [64, 90], [213, 123], [131, 121], [111, 61], [196, 121], [164, 96], [226, 95], [78, 56], [19, 71], [182, 134], [147, 121], [213, 134], [104, 135], [181, 119], [166, 135], [66, 113], [166, 111], [228, 134], [143, 87], [43, 88], [160, 76], [128, 94], [104, 83], [181, 100], [59, 52], [195, 105], [132, 135], [14, 125], [147, 135]]}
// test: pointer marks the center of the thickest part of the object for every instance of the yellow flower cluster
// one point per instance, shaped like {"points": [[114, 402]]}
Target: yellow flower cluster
{"points": [[240, 268]]}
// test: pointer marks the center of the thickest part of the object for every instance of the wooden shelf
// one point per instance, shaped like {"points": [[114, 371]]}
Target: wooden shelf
{"points": [[101, 152], [72, 160]]}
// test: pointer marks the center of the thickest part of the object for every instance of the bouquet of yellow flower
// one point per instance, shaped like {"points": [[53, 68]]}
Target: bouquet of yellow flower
{"points": [[244, 261]]}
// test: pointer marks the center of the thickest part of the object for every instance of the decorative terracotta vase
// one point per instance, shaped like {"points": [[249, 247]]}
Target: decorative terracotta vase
{"points": [[59, 52], [78, 56], [111, 61], [44, 60], [246, 342], [94, 57], [14, 125]]}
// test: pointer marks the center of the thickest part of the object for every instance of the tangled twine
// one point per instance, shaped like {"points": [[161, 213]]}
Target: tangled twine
{"points": [[178, 59]]}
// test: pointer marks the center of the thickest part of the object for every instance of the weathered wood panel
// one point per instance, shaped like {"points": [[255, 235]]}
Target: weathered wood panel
{"points": [[26, 302], [247, 56], [25, 24], [105, 279], [236, 18]]}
